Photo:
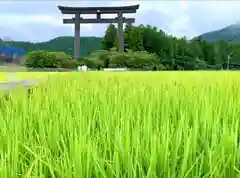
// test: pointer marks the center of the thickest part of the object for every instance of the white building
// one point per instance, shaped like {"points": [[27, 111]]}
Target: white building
{"points": [[82, 68]]}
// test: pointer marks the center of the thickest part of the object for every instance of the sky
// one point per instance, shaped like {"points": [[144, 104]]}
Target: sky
{"points": [[38, 21]]}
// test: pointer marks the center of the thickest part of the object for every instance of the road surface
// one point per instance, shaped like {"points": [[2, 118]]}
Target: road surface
{"points": [[7, 86]]}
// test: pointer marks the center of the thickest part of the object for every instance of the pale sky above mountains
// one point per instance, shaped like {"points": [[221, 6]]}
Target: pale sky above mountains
{"points": [[38, 21]]}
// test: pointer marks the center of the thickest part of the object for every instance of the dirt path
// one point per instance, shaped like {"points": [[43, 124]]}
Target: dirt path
{"points": [[7, 86]]}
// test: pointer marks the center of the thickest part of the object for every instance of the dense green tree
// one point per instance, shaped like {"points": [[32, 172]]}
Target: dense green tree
{"points": [[145, 47], [41, 59], [175, 52], [234, 53], [45, 59], [127, 36], [109, 37], [130, 59], [119, 59]]}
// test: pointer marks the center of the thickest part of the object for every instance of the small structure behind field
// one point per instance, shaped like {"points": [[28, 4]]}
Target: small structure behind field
{"points": [[115, 69], [82, 68], [9, 54]]}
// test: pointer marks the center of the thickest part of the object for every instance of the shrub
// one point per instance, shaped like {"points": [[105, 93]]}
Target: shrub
{"points": [[142, 59], [64, 60], [40, 59], [69, 64], [158, 67], [179, 67], [119, 59], [46, 59], [99, 59], [115, 59]]}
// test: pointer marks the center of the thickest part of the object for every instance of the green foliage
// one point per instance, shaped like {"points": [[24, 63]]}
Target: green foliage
{"points": [[45, 59], [146, 47], [158, 67], [69, 64], [179, 53], [130, 59], [109, 38], [85, 61], [142, 59], [61, 44], [127, 36], [64, 60], [99, 59], [40, 59], [119, 59]]}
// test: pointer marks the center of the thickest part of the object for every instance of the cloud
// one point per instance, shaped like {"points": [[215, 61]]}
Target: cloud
{"points": [[213, 15], [41, 21]]}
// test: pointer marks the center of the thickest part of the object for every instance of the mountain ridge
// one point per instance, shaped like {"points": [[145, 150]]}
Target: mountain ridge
{"points": [[230, 33], [89, 44], [62, 43]]}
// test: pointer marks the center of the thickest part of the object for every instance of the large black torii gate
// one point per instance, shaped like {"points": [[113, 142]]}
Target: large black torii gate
{"points": [[98, 11]]}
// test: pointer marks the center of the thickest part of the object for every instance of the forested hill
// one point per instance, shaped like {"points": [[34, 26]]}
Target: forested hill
{"points": [[63, 44], [229, 34], [91, 44], [173, 53]]}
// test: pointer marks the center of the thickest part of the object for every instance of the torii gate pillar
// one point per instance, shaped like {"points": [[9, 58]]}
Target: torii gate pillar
{"points": [[77, 36], [120, 32]]}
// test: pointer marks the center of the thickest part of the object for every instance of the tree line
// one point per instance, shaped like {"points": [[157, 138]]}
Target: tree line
{"points": [[173, 52], [150, 48]]}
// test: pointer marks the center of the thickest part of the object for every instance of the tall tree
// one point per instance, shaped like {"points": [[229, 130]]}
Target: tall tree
{"points": [[109, 37], [127, 36], [135, 39]]}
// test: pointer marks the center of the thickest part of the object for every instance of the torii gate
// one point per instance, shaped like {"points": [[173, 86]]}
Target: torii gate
{"points": [[98, 11]]}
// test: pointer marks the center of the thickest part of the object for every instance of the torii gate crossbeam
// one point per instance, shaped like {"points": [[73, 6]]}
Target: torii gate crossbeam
{"points": [[98, 11]]}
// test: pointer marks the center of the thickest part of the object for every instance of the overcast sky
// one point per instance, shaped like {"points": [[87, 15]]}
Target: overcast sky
{"points": [[40, 21]]}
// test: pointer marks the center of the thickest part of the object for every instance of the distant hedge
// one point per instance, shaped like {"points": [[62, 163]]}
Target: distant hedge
{"points": [[46, 59], [100, 59], [129, 59]]}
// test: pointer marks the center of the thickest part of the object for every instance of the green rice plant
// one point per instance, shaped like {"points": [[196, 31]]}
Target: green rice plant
{"points": [[131, 124]]}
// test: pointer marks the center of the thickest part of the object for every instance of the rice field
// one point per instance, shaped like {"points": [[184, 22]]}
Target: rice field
{"points": [[131, 124]]}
